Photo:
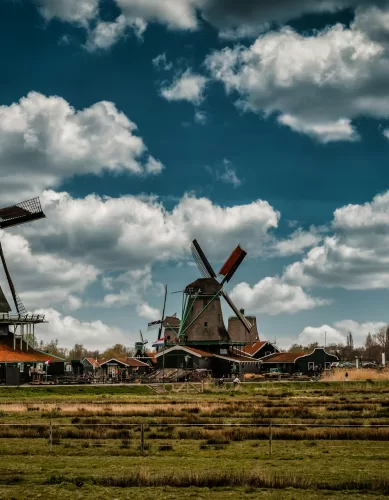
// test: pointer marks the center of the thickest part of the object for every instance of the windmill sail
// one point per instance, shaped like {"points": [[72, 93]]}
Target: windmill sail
{"points": [[232, 263], [242, 319], [4, 305], [153, 325], [20, 213], [201, 260], [17, 301], [227, 271]]}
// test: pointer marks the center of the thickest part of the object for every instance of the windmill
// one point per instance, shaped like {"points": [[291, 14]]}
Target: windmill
{"points": [[202, 319], [14, 215], [140, 346]]}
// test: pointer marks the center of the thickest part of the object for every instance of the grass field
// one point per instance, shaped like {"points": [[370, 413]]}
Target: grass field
{"points": [[188, 453]]}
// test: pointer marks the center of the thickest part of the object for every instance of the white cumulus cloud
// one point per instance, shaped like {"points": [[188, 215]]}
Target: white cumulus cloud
{"points": [[315, 84], [355, 256], [337, 333], [45, 140], [187, 87], [73, 11], [272, 296], [68, 330]]}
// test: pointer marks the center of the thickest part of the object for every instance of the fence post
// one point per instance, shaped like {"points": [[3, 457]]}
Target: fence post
{"points": [[202, 385], [51, 436], [270, 439], [142, 437]]}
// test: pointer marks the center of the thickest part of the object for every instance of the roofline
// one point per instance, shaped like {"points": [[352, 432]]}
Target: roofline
{"points": [[47, 353], [87, 359], [255, 352], [113, 359], [181, 347], [121, 362], [315, 349], [300, 356], [228, 358]]}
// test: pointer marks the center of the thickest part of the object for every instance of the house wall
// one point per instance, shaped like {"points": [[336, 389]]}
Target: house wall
{"points": [[176, 359], [282, 367], [319, 357], [223, 367], [267, 348], [56, 369]]}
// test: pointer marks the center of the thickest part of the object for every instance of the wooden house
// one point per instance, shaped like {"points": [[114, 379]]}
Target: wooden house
{"points": [[299, 362], [21, 364]]}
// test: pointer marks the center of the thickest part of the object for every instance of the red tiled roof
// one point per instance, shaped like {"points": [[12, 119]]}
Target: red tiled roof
{"points": [[93, 362], [251, 349], [282, 357], [9, 355], [204, 354]]}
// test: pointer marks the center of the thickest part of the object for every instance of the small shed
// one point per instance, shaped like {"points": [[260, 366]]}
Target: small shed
{"points": [[91, 366], [122, 369]]}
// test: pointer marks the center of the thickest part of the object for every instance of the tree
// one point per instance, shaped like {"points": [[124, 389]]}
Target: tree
{"points": [[350, 341], [77, 352], [117, 351], [296, 348], [381, 337]]}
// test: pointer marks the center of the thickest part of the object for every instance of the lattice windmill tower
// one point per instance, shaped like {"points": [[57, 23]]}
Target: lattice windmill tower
{"points": [[14, 215]]}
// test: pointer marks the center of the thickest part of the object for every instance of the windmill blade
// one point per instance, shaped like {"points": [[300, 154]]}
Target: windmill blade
{"points": [[201, 260], [232, 263], [153, 325], [20, 213], [17, 301], [242, 319]]}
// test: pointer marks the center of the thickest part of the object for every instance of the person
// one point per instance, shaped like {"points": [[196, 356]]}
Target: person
{"points": [[346, 376]]}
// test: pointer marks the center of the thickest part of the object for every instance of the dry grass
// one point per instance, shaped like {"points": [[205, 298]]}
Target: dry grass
{"points": [[360, 374]]}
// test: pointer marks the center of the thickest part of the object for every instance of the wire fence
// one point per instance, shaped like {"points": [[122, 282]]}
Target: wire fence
{"points": [[51, 431]]}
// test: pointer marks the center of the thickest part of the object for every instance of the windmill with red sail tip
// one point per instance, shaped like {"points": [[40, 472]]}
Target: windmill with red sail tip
{"points": [[202, 319]]}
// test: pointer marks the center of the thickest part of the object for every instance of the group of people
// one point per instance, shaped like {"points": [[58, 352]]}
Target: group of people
{"points": [[236, 381]]}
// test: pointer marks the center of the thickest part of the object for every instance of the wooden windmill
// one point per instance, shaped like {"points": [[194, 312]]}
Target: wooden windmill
{"points": [[140, 349], [14, 215], [202, 318]]}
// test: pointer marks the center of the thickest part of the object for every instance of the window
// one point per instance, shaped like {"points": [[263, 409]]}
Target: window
{"points": [[311, 366], [267, 353], [205, 324], [327, 365]]}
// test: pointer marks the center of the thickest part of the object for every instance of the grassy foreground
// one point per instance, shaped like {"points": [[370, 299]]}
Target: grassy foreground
{"points": [[187, 453]]}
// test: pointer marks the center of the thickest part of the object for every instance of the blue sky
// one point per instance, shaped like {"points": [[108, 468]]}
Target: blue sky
{"points": [[143, 125]]}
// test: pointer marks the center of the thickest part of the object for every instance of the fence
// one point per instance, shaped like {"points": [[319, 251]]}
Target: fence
{"points": [[52, 431]]}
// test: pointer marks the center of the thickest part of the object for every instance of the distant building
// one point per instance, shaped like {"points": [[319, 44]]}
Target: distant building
{"points": [[294, 362]]}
